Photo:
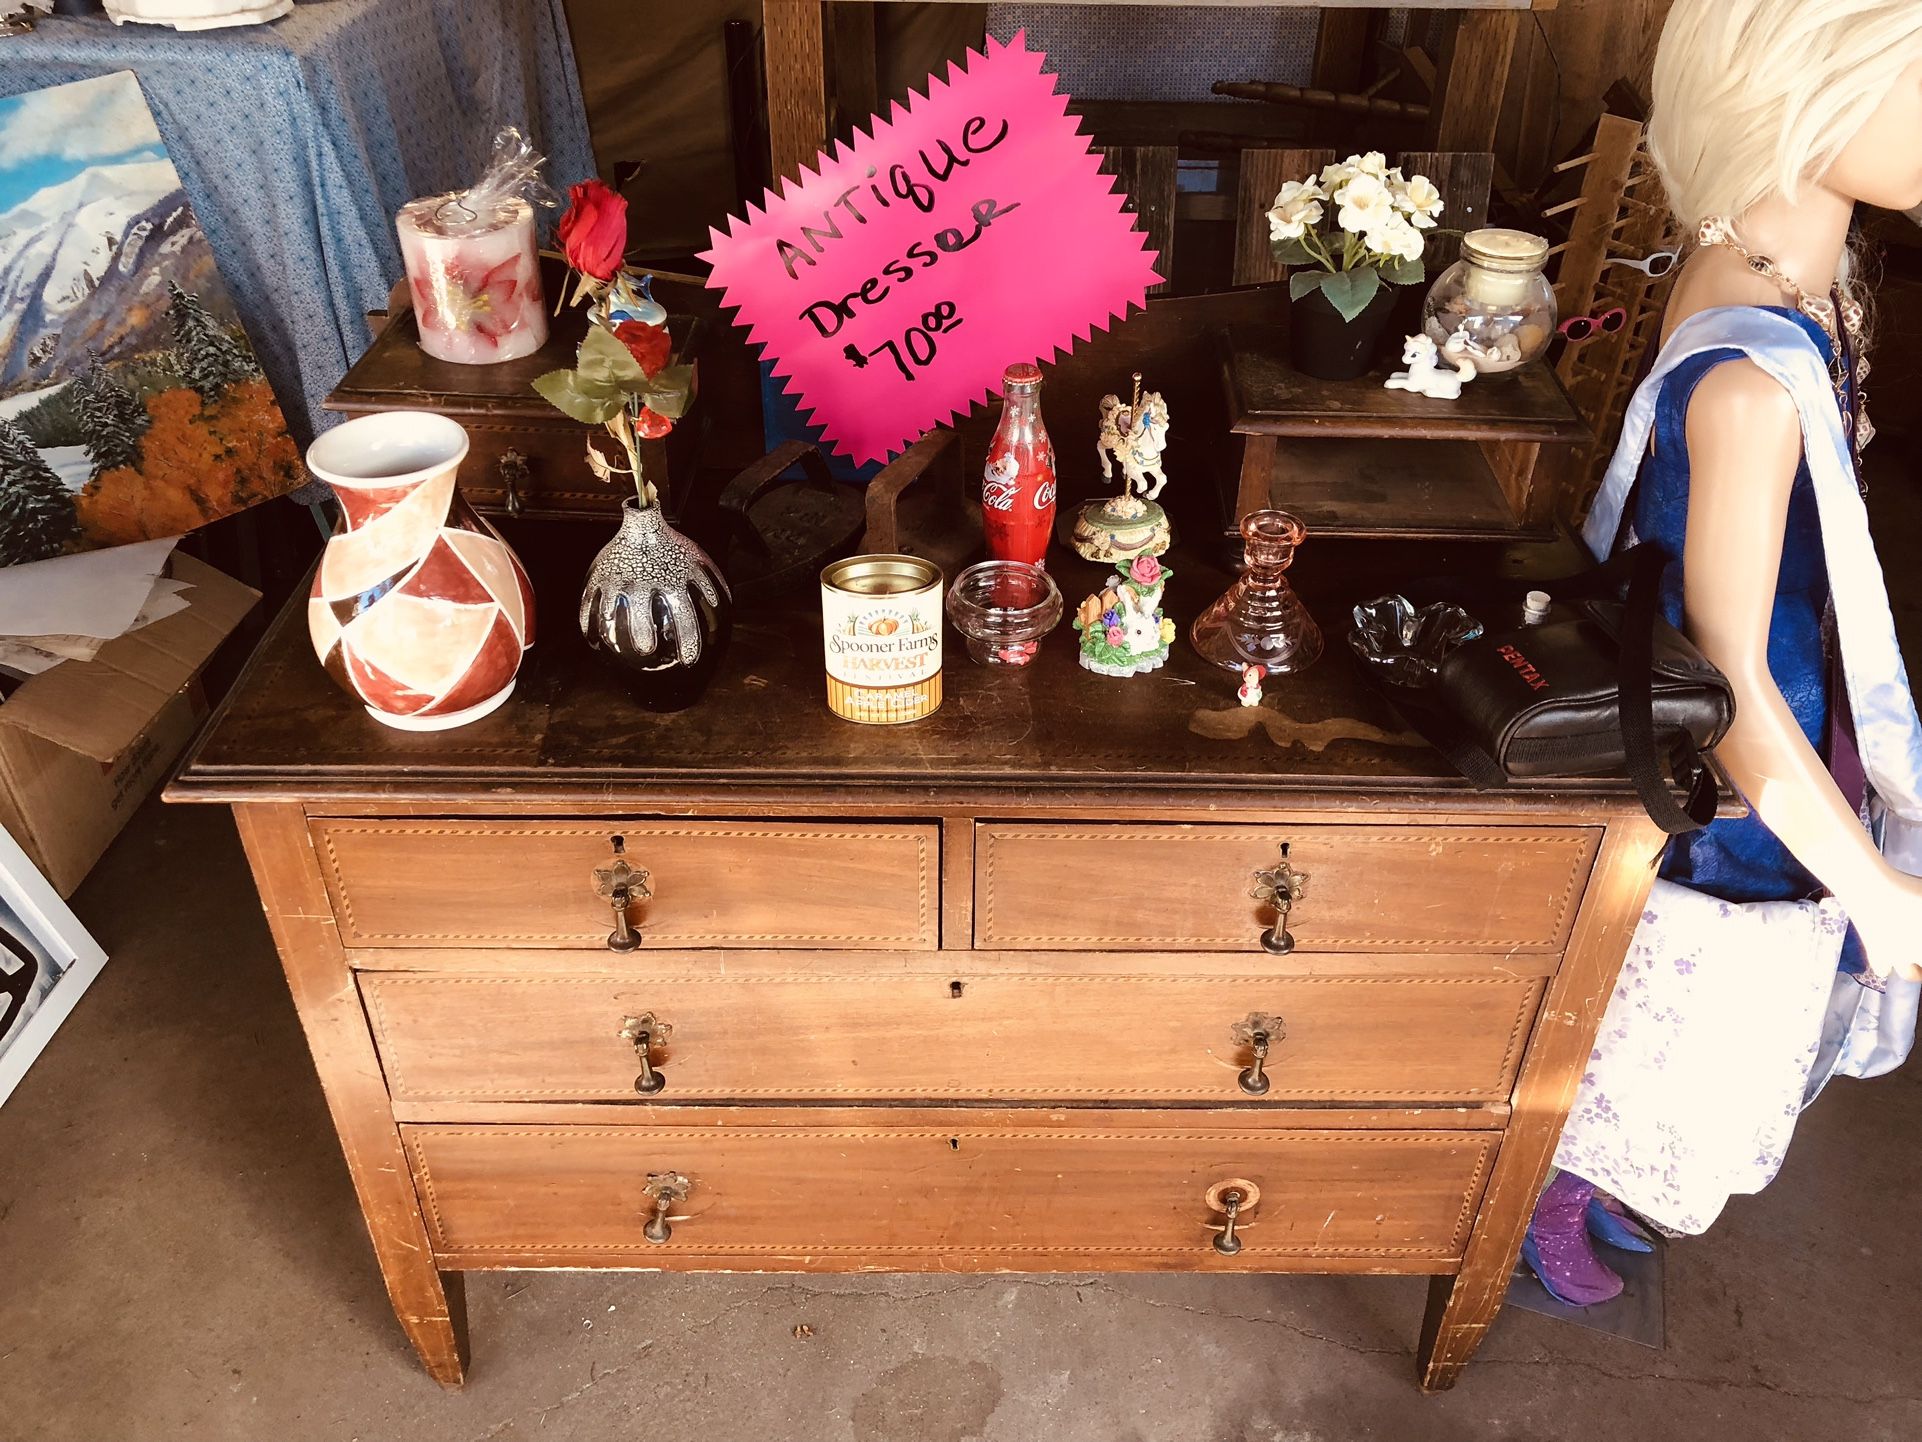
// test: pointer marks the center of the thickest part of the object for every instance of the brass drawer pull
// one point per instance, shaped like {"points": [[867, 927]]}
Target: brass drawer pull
{"points": [[666, 1188], [1236, 1200], [621, 885], [642, 1032], [514, 475], [1256, 1033], [1280, 887]]}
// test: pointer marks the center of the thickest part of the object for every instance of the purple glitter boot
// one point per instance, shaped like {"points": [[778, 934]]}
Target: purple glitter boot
{"points": [[1557, 1248]]}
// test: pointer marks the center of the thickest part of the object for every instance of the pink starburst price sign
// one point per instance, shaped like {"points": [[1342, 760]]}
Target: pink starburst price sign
{"points": [[971, 229]]}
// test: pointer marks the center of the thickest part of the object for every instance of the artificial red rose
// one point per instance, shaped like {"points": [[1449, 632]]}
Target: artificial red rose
{"points": [[651, 427], [593, 232], [650, 345]]}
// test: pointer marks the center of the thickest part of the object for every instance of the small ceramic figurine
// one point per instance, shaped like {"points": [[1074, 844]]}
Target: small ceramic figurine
{"points": [[1251, 677], [1132, 523], [1424, 375], [1123, 631]]}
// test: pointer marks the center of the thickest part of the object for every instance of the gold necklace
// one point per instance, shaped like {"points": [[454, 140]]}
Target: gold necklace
{"points": [[1842, 319]]}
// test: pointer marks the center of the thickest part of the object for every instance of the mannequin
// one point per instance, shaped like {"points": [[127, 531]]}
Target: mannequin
{"points": [[1779, 116]]}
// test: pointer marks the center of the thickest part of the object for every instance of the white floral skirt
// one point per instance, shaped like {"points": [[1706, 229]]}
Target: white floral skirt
{"points": [[1698, 1073]]}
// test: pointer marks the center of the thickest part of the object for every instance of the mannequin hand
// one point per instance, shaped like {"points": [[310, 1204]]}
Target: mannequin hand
{"points": [[1890, 925]]}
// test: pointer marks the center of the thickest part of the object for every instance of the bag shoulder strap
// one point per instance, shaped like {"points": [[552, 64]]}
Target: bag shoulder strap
{"points": [[1639, 738]]}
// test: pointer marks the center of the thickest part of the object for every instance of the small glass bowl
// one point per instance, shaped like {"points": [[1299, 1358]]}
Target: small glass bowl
{"points": [[1003, 609]]}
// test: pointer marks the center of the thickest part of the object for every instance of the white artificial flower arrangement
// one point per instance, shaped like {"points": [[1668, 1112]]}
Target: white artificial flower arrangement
{"points": [[1379, 220]]}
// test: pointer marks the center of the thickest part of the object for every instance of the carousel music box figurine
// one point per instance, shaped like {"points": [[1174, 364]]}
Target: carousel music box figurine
{"points": [[1130, 524], [1123, 632]]}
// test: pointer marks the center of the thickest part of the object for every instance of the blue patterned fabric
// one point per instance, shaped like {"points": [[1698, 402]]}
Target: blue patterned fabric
{"points": [[1740, 859], [298, 140]]}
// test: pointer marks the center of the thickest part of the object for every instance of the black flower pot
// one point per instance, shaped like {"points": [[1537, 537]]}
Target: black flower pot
{"points": [[655, 603], [1323, 345]]}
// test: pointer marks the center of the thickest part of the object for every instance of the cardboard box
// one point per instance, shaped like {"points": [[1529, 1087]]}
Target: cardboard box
{"points": [[82, 745]]}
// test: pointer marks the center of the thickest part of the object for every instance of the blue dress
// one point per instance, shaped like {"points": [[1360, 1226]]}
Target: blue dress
{"points": [[1740, 859]]}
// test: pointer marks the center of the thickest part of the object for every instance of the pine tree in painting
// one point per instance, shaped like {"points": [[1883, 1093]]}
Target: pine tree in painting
{"points": [[112, 417], [37, 517], [210, 358]]}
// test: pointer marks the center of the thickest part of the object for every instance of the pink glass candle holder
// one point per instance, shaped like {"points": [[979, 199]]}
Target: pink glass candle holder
{"points": [[476, 281], [1261, 621]]}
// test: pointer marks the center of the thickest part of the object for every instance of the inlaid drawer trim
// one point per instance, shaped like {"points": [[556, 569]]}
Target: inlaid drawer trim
{"points": [[1034, 921], [544, 1176], [435, 889], [567, 1026]]}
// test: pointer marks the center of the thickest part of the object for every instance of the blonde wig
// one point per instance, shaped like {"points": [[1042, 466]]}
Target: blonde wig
{"points": [[1755, 97]]}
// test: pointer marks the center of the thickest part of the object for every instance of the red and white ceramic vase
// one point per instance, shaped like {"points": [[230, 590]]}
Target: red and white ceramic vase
{"points": [[419, 609]]}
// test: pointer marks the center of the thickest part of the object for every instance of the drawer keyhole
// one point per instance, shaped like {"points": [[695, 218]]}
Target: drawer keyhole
{"points": [[955, 989]]}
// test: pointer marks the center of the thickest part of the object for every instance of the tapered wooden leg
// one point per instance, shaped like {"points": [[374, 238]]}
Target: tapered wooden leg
{"points": [[430, 1305], [1462, 1308]]}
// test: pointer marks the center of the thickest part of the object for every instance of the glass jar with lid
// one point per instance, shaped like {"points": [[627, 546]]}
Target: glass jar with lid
{"points": [[1494, 308]]}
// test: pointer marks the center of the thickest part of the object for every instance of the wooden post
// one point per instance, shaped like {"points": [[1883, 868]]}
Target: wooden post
{"points": [[430, 1304], [1474, 77], [1341, 49], [857, 86], [797, 99]]}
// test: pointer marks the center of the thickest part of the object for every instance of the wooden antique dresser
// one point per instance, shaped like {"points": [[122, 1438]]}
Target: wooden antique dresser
{"points": [[1077, 975]]}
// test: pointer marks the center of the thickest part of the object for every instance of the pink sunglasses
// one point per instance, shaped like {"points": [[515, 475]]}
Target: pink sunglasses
{"points": [[1586, 327]]}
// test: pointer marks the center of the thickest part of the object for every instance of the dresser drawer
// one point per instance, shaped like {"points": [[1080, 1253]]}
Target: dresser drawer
{"points": [[1020, 1191], [952, 1035], [1368, 888], [713, 883]]}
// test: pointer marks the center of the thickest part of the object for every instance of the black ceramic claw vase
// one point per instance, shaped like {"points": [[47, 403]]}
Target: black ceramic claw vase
{"points": [[1323, 345], [658, 605]]}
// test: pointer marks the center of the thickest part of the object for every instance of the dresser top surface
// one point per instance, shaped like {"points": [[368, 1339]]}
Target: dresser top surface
{"points": [[763, 728]]}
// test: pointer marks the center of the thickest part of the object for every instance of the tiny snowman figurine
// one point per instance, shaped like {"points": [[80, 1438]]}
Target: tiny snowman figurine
{"points": [[1133, 523], [1251, 679], [1123, 630]]}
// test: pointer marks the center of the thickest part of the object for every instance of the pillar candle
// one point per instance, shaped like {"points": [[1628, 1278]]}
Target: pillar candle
{"points": [[475, 280]]}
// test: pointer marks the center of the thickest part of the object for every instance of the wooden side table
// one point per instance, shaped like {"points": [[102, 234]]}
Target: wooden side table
{"points": [[1353, 459], [1076, 975]]}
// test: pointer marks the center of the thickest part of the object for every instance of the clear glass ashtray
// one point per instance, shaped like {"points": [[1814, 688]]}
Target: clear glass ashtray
{"points": [[1003, 609]]}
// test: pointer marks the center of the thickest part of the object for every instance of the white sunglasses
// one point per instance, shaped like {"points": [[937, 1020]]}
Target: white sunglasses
{"points": [[1655, 267]]}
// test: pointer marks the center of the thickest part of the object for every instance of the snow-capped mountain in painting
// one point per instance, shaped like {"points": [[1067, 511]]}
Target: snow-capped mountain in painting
{"points": [[84, 266], [131, 405]]}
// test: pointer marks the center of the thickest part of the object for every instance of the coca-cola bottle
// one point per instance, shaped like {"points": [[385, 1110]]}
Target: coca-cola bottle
{"points": [[1017, 485]]}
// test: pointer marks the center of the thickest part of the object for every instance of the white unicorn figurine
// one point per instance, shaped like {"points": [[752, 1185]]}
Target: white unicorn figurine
{"points": [[1425, 376], [1136, 435]]}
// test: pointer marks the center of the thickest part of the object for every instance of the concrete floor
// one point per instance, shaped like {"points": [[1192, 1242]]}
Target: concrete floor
{"points": [[182, 1258]]}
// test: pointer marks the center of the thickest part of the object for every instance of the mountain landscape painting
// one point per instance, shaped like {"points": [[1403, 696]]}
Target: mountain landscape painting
{"points": [[131, 405]]}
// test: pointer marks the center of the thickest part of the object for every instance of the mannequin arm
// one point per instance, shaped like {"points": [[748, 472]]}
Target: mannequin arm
{"points": [[1744, 447]]}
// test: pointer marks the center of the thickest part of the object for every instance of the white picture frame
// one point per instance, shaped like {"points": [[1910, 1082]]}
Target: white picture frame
{"points": [[39, 937]]}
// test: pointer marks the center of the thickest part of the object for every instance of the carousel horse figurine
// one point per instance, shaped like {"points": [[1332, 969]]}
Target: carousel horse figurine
{"points": [[1136, 436]]}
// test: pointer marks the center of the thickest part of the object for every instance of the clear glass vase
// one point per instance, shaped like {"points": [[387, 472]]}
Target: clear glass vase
{"points": [[1261, 621], [1494, 308]]}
